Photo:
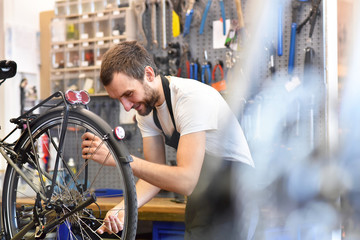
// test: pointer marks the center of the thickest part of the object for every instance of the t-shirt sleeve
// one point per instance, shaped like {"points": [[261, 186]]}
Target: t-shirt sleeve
{"points": [[196, 112], [147, 125]]}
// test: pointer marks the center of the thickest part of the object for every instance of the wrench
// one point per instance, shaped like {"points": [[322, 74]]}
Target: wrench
{"points": [[163, 20], [139, 8], [163, 24], [153, 4]]}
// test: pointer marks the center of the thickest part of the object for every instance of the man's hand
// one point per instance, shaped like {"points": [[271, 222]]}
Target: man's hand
{"points": [[113, 221], [93, 148]]}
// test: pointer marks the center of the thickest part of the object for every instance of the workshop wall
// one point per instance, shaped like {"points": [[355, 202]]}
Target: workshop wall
{"points": [[255, 59], [261, 64]]}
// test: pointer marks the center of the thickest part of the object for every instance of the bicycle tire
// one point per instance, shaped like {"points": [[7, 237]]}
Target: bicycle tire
{"points": [[67, 192]]}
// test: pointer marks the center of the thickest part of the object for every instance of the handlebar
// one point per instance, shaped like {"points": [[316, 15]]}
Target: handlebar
{"points": [[7, 69]]}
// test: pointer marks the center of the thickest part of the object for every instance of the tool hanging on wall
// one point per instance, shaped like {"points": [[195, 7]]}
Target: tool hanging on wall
{"points": [[231, 40], [139, 7], [296, 7], [184, 62], [173, 57], [280, 27], [309, 81], [230, 59], [176, 16], [163, 22], [206, 70], [188, 18], [194, 70], [206, 10], [309, 66], [240, 16], [218, 85], [313, 15], [270, 48], [240, 27], [153, 5]]}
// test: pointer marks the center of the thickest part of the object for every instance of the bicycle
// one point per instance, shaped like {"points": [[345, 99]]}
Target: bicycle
{"points": [[62, 202]]}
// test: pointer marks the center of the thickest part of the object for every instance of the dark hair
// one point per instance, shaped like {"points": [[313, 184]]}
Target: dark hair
{"points": [[128, 57]]}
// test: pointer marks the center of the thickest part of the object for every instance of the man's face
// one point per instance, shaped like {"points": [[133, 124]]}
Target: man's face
{"points": [[132, 93]]}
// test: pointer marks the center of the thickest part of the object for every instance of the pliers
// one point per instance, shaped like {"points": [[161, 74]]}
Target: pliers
{"points": [[203, 20], [188, 18], [219, 85], [206, 68], [314, 13], [219, 65]]}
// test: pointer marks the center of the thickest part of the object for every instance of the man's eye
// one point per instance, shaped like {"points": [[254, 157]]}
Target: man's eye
{"points": [[129, 94]]}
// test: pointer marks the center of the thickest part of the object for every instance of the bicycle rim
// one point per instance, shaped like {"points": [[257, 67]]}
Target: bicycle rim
{"points": [[71, 189]]}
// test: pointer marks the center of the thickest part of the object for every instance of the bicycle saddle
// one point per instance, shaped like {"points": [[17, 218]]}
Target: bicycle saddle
{"points": [[7, 69]]}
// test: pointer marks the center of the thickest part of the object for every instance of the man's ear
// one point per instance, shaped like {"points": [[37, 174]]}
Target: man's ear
{"points": [[149, 74]]}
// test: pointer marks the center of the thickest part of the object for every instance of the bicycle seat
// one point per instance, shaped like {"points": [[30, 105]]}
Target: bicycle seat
{"points": [[7, 69]]}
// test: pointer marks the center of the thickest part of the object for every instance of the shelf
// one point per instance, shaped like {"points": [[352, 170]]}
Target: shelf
{"points": [[79, 41], [62, 70]]}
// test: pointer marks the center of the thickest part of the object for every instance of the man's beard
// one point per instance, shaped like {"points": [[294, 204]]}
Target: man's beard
{"points": [[151, 97]]}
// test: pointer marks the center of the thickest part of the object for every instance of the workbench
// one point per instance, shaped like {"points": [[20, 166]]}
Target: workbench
{"points": [[166, 215], [157, 209]]}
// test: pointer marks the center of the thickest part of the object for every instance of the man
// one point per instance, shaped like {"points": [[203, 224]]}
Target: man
{"points": [[193, 118]]}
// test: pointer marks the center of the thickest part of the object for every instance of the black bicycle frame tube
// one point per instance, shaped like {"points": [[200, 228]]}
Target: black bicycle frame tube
{"points": [[60, 150], [18, 170], [26, 114], [35, 155]]}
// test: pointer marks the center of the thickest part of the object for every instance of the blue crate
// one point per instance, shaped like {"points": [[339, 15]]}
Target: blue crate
{"points": [[168, 230]]}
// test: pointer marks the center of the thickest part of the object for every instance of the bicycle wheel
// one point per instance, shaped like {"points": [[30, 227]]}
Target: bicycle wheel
{"points": [[24, 205]]}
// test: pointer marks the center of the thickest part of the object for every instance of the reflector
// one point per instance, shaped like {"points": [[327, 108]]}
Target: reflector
{"points": [[77, 97], [119, 133]]}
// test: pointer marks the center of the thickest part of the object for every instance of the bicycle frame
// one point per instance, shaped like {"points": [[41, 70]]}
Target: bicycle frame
{"points": [[60, 198]]}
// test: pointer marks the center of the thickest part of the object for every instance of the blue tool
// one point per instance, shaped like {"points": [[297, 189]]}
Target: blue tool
{"points": [[206, 69], [223, 16], [280, 28], [296, 5], [204, 16], [292, 49], [188, 18], [194, 70]]}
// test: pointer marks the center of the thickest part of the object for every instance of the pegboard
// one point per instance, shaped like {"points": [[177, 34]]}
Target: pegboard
{"points": [[194, 42], [197, 43], [302, 41], [107, 108], [304, 119], [260, 76]]}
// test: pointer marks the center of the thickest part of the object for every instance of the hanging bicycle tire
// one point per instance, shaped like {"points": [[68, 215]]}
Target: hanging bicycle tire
{"points": [[70, 208]]}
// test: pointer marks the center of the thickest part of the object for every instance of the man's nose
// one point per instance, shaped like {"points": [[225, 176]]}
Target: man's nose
{"points": [[127, 104]]}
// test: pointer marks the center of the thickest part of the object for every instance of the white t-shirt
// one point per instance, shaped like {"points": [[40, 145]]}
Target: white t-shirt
{"points": [[199, 107]]}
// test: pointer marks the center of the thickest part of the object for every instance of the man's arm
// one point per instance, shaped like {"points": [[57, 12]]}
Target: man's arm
{"points": [[153, 172], [181, 178], [154, 152]]}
